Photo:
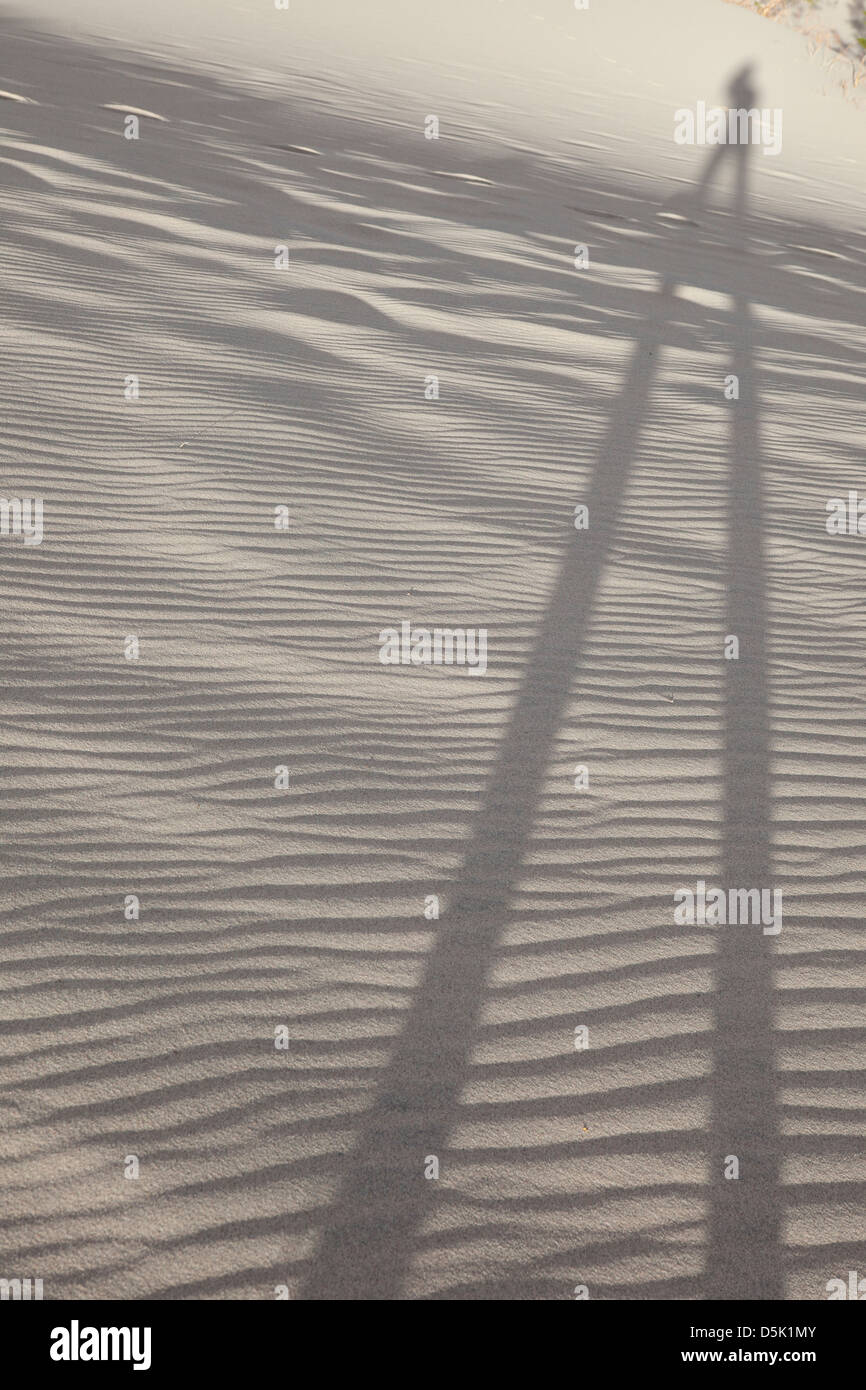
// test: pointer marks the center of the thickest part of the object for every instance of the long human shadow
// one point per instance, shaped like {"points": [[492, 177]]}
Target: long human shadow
{"points": [[744, 1246], [187, 706], [372, 1230]]}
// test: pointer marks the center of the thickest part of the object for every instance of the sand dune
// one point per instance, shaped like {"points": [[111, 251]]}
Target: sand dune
{"points": [[259, 387]]}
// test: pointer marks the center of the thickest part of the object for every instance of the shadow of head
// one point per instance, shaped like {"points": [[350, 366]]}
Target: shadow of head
{"points": [[741, 91]]}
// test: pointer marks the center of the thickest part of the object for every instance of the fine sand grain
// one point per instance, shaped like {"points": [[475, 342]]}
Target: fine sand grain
{"points": [[412, 1036]]}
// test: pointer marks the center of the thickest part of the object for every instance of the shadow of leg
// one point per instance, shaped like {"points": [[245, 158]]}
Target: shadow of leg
{"points": [[371, 1236], [744, 1246]]}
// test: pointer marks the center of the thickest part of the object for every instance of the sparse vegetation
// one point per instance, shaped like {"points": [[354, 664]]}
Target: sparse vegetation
{"points": [[827, 44]]}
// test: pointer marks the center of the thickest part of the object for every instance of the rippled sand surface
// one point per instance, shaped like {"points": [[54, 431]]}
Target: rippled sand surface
{"points": [[412, 1035]]}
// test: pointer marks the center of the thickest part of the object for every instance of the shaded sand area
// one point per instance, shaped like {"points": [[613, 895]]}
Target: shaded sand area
{"points": [[413, 1036]]}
